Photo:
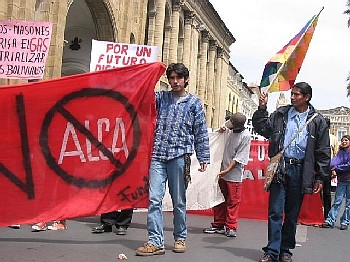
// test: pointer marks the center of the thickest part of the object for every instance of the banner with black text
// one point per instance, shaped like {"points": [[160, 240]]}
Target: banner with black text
{"points": [[77, 146], [24, 48]]}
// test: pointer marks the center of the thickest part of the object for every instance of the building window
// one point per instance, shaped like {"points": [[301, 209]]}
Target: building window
{"points": [[229, 101], [132, 38], [341, 132]]}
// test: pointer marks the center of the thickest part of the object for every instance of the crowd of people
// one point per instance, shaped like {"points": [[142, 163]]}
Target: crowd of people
{"points": [[310, 161]]}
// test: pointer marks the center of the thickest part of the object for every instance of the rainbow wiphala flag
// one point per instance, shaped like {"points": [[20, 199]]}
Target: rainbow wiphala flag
{"points": [[281, 71]]}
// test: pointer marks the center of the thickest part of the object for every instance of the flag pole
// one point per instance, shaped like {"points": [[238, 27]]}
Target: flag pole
{"points": [[280, 69]]}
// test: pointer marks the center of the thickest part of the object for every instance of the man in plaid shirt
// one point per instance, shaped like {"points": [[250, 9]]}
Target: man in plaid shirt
{"points": [[180, 131]]}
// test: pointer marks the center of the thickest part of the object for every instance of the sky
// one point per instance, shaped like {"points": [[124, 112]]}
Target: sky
{"points": [[262, 27]]}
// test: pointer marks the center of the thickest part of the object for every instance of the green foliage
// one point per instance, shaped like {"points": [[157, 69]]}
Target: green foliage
{"points": [[347, 12]]}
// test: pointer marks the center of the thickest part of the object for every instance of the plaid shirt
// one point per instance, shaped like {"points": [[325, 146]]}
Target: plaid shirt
{"points": [[181, 128]]}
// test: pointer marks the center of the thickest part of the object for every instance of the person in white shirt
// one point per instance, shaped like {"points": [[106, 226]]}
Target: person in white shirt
{"points": [[236, 155]]}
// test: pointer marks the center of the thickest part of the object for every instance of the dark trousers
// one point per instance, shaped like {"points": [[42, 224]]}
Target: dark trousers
{"points": [[326, 197], [118, 218], [285, 199]]}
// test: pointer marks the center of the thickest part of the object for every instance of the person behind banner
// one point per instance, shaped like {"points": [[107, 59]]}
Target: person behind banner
{"points": [[327, 184], [340, 166], [120, 219], [236, 155], [180, 130], [304, 167]]}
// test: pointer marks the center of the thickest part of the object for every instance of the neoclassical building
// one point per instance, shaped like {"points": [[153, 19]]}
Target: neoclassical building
{"points": [[188, 31], [340, 120], [241, 97]]}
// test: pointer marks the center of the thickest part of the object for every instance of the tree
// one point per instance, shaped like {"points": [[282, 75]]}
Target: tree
{"points": [[347, 12]]}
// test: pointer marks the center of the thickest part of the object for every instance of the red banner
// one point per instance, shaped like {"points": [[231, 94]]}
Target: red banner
{"points": [[254, 204], [77, 146], [255, 200]]}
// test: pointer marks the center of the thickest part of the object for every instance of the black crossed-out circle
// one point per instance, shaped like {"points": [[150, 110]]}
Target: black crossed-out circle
{"points": [[59, 108]]}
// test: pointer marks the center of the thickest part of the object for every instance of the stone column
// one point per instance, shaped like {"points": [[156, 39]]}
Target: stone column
{"points": [[224, 74], [159, 26], [4, 15], [203, 66], [174, 35], [42, 11], [58, 14], [210, 84], [27, 10], [193, 56], [3, 11], [151, 27], [180, 49], [166, 45], [186, 58], [217, 121]]}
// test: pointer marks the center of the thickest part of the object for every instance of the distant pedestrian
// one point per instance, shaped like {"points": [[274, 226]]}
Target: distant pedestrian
{"points": [[326, 190], [340, 166]]}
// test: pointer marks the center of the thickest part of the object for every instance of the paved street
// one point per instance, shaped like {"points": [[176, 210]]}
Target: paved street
{"points": [[77, 244]]}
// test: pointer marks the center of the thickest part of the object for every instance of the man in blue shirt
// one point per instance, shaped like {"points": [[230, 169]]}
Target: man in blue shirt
{"points": [[180, 131], [302, 170]]}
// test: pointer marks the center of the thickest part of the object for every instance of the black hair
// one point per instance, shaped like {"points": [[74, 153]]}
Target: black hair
{"points": [[180, 69], [345, 136], [305, 88]]}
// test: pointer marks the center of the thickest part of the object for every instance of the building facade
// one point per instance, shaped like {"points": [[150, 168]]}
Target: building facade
{"points": [[187, 31], [240, 97], [340, 120]]}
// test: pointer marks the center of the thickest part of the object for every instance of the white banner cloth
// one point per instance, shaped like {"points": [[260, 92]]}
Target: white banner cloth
{"points": [[203, 192]]}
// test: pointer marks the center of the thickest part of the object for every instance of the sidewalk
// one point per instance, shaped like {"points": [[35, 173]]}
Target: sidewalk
{"points": [[78, 244]]}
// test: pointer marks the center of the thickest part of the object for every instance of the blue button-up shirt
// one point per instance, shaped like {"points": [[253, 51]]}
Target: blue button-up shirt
{"points": [[181, 128], [295, 121]]}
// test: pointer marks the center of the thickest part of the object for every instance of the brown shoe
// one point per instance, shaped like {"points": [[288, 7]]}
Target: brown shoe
{"points": [[286, 258], [179, 246], [149, 249]]}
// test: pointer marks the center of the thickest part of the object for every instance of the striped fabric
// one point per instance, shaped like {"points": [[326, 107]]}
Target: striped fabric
{"points": [[181, 128], [281, 71]]}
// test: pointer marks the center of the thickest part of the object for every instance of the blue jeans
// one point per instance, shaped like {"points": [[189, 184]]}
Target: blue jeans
{"points": [[160, 172], [343, 188], [284, 199]]}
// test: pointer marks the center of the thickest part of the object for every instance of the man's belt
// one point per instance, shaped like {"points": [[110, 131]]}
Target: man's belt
{"points": [[293, 161]]}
